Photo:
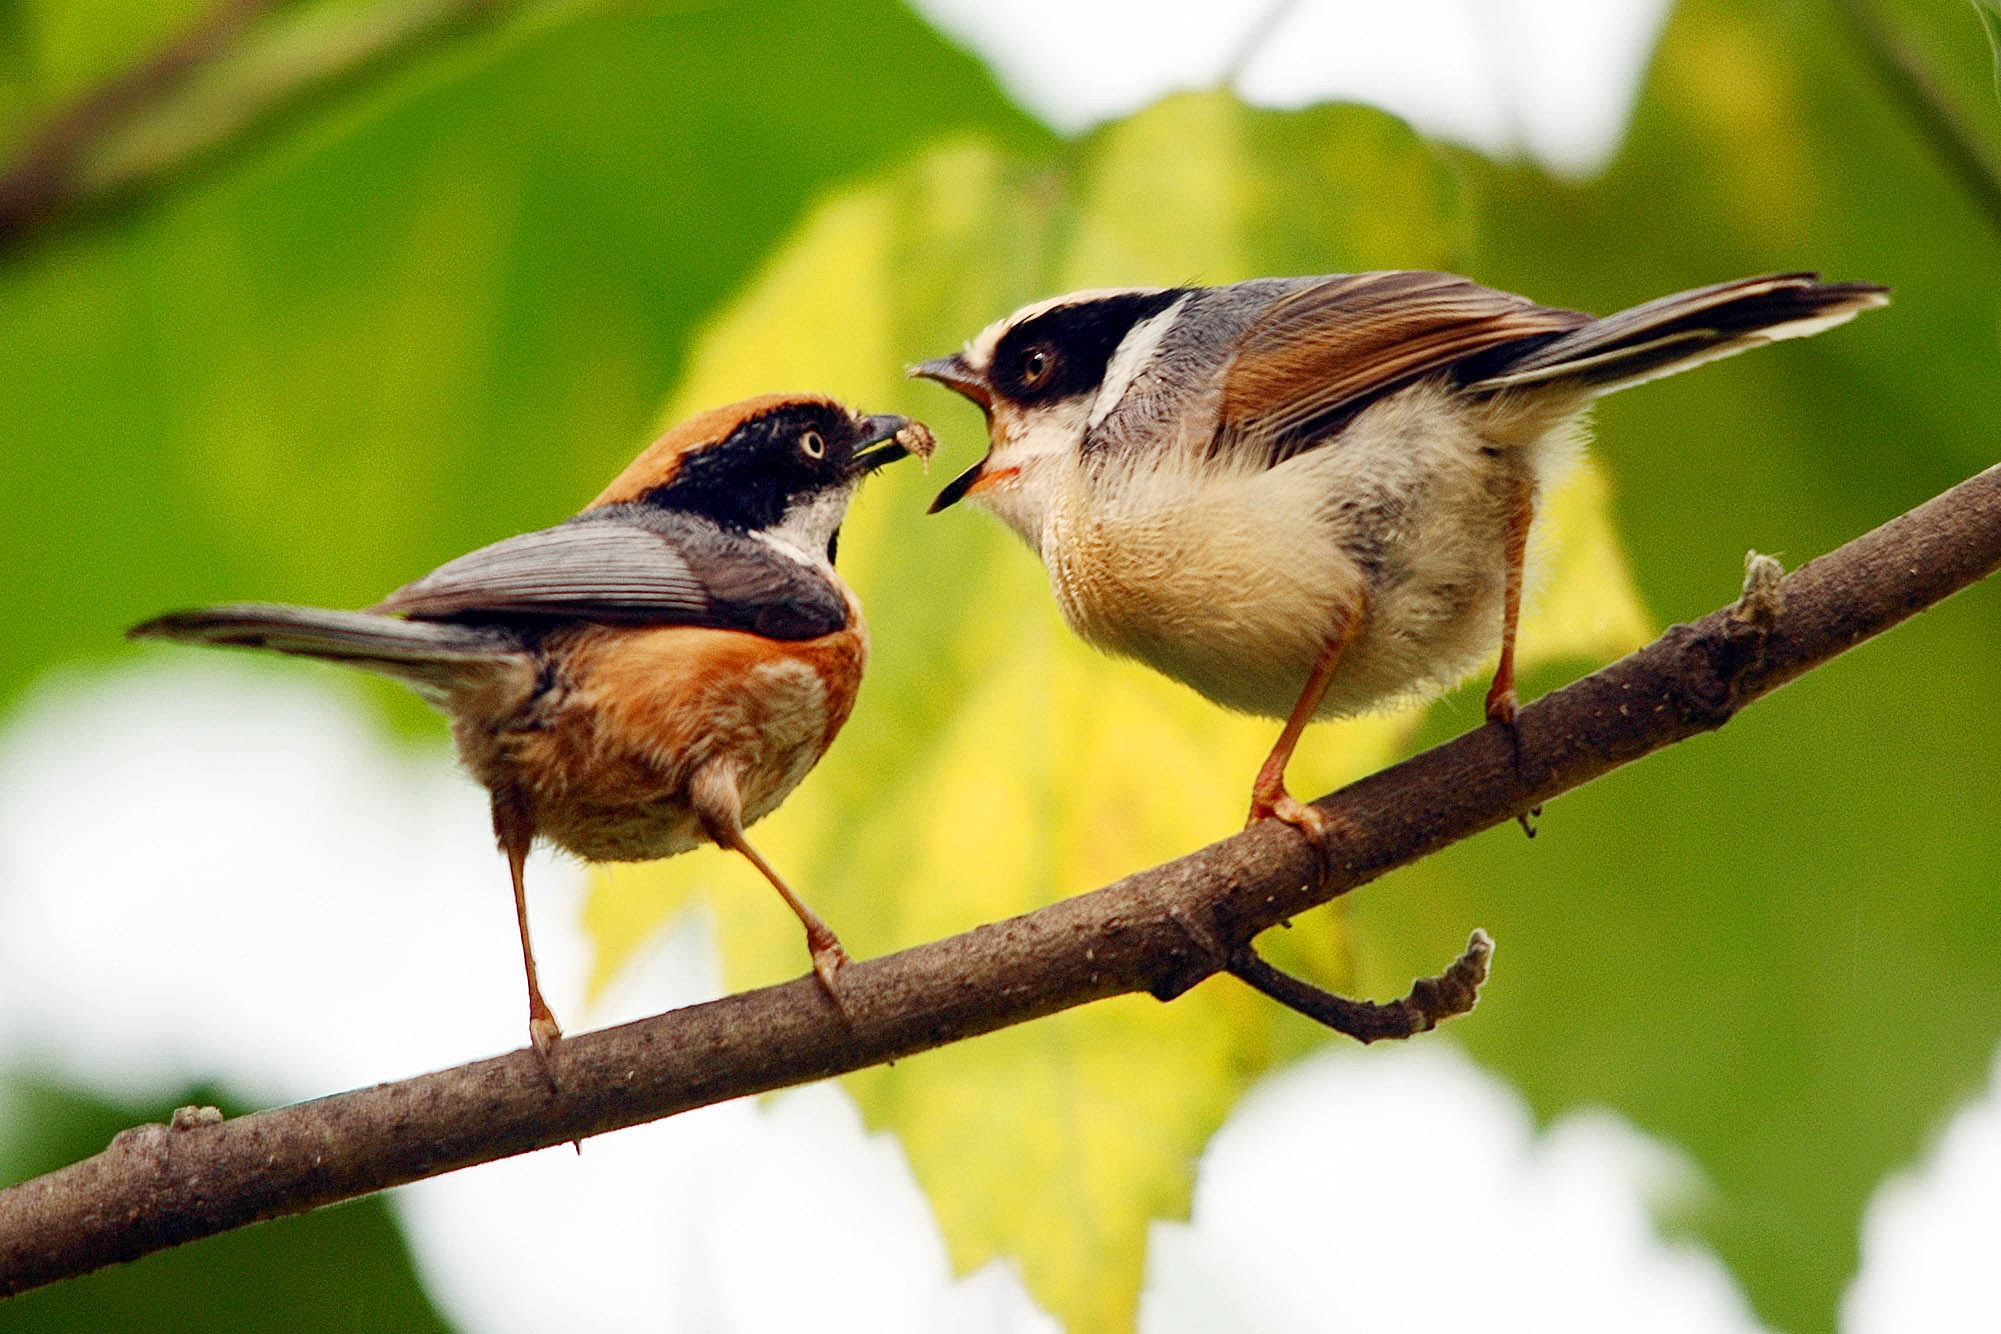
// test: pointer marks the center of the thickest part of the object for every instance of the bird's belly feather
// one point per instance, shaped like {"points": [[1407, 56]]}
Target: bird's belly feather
{"points": [[1392, 538], [604, 764]]}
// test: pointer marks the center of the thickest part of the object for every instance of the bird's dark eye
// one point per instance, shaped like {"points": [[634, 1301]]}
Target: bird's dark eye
{"points": [[813, 445], [1037, 365]]}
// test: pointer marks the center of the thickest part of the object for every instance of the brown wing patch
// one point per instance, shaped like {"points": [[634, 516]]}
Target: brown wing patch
{"points": [[1327, 351], [659, 461]]}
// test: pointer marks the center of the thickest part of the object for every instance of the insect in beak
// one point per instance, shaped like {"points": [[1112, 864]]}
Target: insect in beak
{"points": [[955, 374], [885, 438]]}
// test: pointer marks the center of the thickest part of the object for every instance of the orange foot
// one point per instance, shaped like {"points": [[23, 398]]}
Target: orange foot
{"points": [[828, 960], [1282, 805], [1317, 827], [543, 1034]]}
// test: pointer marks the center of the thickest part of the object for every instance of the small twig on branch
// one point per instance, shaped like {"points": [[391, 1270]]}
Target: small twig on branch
{"points": [[158, 1186], [1431, 1001]]}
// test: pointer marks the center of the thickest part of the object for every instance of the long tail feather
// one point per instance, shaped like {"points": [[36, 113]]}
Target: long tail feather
{"points": [[1687, 329], [436, 658]]}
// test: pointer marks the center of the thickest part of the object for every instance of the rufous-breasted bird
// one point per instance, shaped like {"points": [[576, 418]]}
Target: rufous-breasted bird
{"points": [[658, 671]]}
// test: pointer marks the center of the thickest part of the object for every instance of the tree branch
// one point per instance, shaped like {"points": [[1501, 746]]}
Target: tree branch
{"points": [[1431, 1001], [1156, 931], [41, 181]]}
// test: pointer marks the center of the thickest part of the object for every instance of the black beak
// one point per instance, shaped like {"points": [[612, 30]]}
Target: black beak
{"points": [[955, 374], [885, 438], [955, 490]]}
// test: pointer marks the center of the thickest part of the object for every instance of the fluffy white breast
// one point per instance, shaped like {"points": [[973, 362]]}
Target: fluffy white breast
{"points": [[1229, 585], [1233, 579]]}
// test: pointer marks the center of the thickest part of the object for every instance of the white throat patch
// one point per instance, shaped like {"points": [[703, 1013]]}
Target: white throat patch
{"points": [[810, 524], [1134, 353]]}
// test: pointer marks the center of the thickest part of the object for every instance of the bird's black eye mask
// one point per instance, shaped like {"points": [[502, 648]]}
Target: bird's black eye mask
{"points": [[1064, 352], [748, 481]]}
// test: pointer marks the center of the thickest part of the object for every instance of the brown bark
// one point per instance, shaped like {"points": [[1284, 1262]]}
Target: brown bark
{"points": [[1159, 931]]}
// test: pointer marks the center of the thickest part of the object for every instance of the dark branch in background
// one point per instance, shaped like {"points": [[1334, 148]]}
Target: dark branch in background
{"points": [[1254, 41], [212, 89], [1158, 931], [41, 183], [1912, 87]]}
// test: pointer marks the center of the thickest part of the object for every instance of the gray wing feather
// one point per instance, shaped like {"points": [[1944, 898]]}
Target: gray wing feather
{"points": [[576, 568], [324, 633], [635, 568]]}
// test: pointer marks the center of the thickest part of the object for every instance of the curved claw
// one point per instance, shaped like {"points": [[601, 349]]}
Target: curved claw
{"points": [[828, 960], [1313, 824], [543, 1035], [1283, 806]]}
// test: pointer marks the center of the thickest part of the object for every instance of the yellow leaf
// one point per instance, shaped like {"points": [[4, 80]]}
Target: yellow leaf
{"points": [[994, 763]]}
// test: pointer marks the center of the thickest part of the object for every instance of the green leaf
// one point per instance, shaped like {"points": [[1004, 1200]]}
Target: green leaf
{"points": [[1989, 12], [1772, 946], [994, 763]]}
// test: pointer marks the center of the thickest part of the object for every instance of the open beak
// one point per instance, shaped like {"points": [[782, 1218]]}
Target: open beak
{"points": [[954, 373], [885, 438], [956, 489]]}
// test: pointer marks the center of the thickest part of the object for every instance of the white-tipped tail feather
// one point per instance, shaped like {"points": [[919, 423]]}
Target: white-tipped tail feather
{"points": [[1679, 332]]}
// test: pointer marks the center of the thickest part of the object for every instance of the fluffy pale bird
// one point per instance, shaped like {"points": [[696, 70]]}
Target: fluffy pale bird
{"points": [[1307, 497]]}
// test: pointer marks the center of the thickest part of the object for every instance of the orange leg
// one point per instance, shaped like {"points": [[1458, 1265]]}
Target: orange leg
{"points": [[720, 808], [1269, 797], [1501, 695], [515, 839]]}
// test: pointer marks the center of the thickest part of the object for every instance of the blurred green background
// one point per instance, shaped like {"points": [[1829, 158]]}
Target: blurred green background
{"points": [[440, 293]]}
